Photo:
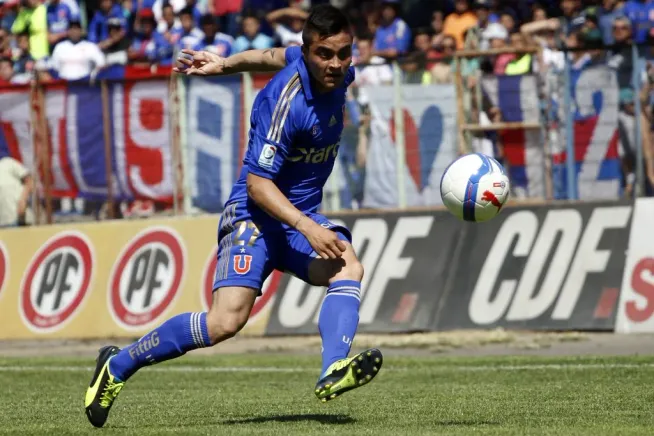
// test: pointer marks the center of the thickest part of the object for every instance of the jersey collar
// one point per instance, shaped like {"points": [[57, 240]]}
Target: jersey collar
{"points": [[305, 78]]}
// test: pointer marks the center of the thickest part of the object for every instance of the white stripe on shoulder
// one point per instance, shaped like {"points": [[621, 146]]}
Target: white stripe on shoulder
{"points": [[277, 134], [280, 102]]}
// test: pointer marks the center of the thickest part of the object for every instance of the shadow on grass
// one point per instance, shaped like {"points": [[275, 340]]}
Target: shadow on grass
{"points": [[464, 423], [322, 419]]}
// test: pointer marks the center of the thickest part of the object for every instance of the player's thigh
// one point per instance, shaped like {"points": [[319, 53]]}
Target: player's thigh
{"points": [[302, 261], [229, 311]]}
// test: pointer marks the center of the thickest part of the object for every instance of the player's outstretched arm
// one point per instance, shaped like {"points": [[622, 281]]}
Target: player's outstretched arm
{"points": [[204, 63], [268, 197]]}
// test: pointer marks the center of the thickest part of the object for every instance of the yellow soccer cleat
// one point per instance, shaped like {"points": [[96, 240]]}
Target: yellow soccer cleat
{"points": [[103, 390], [347, 374]]}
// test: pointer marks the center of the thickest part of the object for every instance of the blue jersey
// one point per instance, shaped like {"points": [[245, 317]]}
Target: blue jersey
{"points": [[397, 35], [294, 139]]}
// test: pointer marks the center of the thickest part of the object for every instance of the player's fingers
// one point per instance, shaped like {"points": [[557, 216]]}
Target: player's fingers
{"points": [[185, 61], [341, 245], [327, 253], [190, 52]]}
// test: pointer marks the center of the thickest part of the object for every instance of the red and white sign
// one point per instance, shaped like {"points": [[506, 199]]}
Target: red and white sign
{"points": [[269, 289], [146, 278], [636, 307], [4, 266], [56, 282]]}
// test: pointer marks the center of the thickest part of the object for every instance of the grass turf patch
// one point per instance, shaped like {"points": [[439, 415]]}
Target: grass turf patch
{"points": [[272, 394]]}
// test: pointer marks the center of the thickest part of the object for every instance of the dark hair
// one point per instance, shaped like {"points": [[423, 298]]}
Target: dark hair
{"points": [[186, 11], [167, 5], [207, 19], [324, 20]]}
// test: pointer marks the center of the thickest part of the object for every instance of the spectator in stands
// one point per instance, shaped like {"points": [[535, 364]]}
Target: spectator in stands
{"points": [[76, 58], [116, 45], [442, 71], [197, 15], [5, 44], [59, 16], [393, 36], [571, 10], [538, 13], [543, 33], [621, 58], [15, 189], [188, 35], [497, 37], [23, 61], [6, 71], [371, 71], [9, 14], [98, 31], [437, 18], [227, 12], [521, 63], [32, 19], [168, 23], [214, 41], [290, 34], [482, 10], [252, 38], [143, 49], [508, 19], [459, 21]]}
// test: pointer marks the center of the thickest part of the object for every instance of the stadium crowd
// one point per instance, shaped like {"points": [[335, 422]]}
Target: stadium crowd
{"points": [[74, 39]]}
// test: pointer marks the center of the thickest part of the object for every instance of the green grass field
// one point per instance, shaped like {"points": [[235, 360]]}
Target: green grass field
{"points": [[258, 394]]}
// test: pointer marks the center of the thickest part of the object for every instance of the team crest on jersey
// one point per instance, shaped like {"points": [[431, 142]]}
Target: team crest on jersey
{"points": [[267, 156], [242, 263]]}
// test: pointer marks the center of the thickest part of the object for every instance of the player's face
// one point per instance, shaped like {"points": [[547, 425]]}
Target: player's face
{"points": [[328, 59]]}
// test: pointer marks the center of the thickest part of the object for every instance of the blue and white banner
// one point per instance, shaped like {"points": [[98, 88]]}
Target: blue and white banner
{"points": [[430, 145]]}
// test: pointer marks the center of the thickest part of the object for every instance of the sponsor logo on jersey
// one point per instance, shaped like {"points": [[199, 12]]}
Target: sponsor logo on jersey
{"points": [[146, 277], [267, 156], [56, 282], [332, 121], [315, 155]]}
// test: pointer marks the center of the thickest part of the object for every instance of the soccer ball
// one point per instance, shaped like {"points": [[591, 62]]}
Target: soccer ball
{"points": [[474, 187]]}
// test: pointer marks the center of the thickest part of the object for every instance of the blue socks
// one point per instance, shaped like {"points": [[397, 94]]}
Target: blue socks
{"points": [[338, 320], [172, 339]]}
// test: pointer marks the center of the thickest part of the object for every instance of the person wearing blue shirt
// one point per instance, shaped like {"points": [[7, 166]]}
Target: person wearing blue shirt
{"points": [[187, 36], [98, 30], [59, 17], [252, 38], [214, 41], [271, 220], [393, 36]]}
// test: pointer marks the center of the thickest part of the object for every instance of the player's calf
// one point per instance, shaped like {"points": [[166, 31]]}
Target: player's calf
{"points": [[230, 312]]}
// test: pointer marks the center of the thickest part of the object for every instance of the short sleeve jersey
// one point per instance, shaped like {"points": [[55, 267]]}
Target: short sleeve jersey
{"points": [[294, 139]]}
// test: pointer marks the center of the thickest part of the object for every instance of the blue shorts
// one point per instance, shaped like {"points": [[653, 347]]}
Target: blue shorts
{"points": [[247, 255]]}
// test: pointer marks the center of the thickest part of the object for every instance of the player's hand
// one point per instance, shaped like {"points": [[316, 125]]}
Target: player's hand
{"points": [[325, 242], [199, 63]]}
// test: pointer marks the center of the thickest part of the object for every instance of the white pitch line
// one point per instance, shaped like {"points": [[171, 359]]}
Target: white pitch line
{"points": [[273, 369]]}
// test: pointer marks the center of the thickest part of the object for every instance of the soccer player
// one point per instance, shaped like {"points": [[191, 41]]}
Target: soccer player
{"points": [[270, 220]]}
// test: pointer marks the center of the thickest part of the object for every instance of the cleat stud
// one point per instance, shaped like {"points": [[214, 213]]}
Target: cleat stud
{"points": [[368, 377], [368, 354], [324, 400], [333, 396], [377, 360], [362, 381], [374, 368], [353, 365], [328, 385], [359, 371], [360, 358]]}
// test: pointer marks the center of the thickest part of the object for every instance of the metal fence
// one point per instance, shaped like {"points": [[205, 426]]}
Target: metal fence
{"points": [[576, 131]]}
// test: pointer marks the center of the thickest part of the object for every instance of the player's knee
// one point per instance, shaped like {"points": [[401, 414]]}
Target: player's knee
{"points": [[353, 270], [222, 326]]}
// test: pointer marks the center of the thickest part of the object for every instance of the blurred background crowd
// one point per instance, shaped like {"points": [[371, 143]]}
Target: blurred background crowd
{"points": [[78, 39], [74, 39]]}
